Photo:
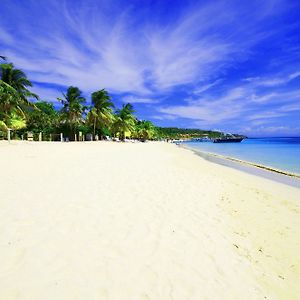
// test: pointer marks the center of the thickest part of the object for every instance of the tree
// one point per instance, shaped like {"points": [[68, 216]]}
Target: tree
{"points": [[13, 96], [72, 110], [42, 119], [145, 130], [9, 99], [12, 113], [124, 121], [3, 126], [101, 114], [18, 80]]}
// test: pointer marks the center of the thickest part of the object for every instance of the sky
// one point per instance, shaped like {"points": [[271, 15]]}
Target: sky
{"points": [[227, 65]]}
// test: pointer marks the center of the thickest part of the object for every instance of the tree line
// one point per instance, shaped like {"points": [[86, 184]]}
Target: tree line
{"points": [[20, 114]]}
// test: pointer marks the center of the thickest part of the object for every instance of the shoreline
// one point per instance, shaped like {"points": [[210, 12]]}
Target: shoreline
{"points": [[281, 176]]}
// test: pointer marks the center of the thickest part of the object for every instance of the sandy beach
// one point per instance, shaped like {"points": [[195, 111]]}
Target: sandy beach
{"points": [[104, 220]]}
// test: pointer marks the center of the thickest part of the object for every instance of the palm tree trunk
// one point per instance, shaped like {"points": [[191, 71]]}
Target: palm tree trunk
{"points": [[94, 127]]}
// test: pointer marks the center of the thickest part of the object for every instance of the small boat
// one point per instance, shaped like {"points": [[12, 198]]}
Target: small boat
{"points": [[228, 140], [201, 139]]}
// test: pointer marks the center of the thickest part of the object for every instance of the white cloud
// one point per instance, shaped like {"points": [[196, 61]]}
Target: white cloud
{"points": [[5, 37], [89, 46], [138, 99], [96, 46], [294, 75], [271, 82], [164, 117], [210, 111], [290, 107], [203, 88], [251, 79], [270, 130], [237, 104], [263, 98], [48, 94], [265, 115]]}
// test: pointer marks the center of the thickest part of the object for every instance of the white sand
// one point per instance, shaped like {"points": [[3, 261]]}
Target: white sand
{"points": [[141, 221]]}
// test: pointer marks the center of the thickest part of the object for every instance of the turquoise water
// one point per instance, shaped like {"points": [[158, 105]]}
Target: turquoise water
{"points": [[279, 153]]}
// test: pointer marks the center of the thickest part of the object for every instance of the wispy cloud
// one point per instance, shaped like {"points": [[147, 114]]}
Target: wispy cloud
{"points": [[210, 111], [202, 88], [138, 99], [271, 130], [265, 115], [273, 81], [164, 117], [240, 103], [290, 107], [48, 94], [82, 45], [198, 61]]}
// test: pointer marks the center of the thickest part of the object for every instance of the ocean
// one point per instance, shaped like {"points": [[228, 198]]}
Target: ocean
{"points": [[279, 153]]}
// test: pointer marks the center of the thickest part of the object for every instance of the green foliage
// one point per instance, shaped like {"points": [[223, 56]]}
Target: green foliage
{"points": [[9, 99], [44, 118], [100, 116], [17, 79], [185, 133], [71, 114], [124, 121], [11, 107], [3, 126], [20, 114], [13, 96], [16, 122], [145, 130]]}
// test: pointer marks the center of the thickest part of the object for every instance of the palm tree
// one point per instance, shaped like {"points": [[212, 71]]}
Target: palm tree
{"points": [[12, 113], [100, 115], [124, 121], [145, 130], [73, 109], [18, 80], [13, 96], [9, 98]]}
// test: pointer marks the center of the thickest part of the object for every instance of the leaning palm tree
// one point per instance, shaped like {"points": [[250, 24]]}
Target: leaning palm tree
{"points": [[13, 96], [124, 121], [101, 115], [73, 109], [17, 79], [12, 113], [9, 98]]}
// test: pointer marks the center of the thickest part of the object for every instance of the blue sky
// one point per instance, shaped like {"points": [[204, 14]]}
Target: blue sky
{"points": [[225, 65]]}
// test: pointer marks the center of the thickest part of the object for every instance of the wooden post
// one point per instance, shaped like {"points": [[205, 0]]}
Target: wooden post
{"points": [[22, 137], [75, 137], [61, 137], [8, 134], [40, 137], [50, 137], [80, 136]]}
